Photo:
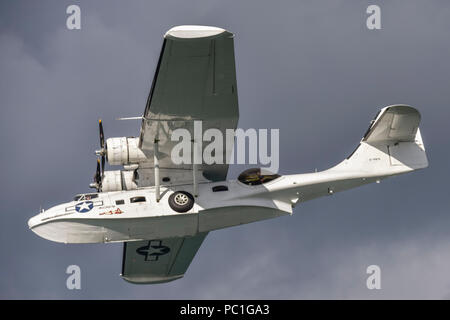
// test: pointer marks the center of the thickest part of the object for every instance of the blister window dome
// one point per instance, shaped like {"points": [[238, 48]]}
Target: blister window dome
{"points": [[256, 176]]}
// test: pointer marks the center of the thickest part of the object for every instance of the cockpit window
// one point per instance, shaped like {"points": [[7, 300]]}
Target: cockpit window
{"points": [[253, 177], [87, 196]]}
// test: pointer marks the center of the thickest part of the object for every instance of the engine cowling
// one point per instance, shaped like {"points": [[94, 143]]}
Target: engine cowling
{"points": [[123, 150], [118, 180]]}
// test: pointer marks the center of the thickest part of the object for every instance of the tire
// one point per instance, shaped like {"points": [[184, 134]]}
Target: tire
{"points": [[181, 201]]}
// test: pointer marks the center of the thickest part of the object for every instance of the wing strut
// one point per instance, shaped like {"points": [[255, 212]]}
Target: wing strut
{"points": [[156, 165], [197, 156], [195, 182]]}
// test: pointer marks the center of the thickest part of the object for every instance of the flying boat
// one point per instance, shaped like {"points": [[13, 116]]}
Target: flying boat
{"points": [[162, 211]]}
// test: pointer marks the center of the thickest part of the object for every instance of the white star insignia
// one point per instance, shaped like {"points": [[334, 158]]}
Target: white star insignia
{"points": [[83, 206]]}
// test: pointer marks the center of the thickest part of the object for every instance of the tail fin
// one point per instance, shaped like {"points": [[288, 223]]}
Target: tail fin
{"points": [[392, 144]]}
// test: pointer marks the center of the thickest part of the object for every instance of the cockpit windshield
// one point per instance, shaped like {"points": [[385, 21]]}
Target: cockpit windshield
{"points": [[87, 196], [254, 176]]}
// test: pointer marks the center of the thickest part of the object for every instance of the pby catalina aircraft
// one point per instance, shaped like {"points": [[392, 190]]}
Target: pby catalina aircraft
{"points": [[162, 211]]}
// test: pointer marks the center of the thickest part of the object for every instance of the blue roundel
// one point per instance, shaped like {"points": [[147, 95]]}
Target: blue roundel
{"points": [[84, 206]]}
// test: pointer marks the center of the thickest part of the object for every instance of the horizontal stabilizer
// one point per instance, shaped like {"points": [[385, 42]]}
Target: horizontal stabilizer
{"points": [[398, 123]]}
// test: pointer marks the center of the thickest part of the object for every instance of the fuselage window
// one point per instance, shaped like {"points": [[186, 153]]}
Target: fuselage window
{"points": [[219, 188], [120, 202], [137, 199], [253, 177]]}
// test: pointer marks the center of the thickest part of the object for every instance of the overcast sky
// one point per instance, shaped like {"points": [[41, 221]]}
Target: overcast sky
{"points": [[310, 68]]}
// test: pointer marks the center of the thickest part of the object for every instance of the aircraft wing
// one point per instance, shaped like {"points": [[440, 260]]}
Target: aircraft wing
{"points": [[157, 261], [195, 79]]}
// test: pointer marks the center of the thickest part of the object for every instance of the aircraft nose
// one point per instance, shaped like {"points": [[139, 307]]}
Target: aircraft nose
{"points": [[33, 221], [44, 230]]}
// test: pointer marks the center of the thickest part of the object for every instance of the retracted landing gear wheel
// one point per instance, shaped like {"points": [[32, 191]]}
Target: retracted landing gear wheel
{"points": [[181, 201]]}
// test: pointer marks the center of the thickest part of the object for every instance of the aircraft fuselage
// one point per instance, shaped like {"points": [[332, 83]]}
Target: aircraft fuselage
{"points": [[136, 215]]}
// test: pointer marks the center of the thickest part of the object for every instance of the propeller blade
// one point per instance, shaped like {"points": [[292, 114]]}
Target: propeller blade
{"points": [[98, 177], [97, 184], [102, 144], [103, 165], [102, 136]]}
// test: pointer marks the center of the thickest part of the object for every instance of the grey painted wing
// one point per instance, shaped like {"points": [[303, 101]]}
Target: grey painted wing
{"points": [[195, 80]]}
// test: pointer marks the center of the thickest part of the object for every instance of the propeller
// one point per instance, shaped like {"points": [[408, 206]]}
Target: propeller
{"points": [[97, 184]]}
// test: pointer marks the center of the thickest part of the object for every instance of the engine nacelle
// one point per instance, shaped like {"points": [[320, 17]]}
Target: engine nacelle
{"points": [[123, 150], [118, 180]]}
